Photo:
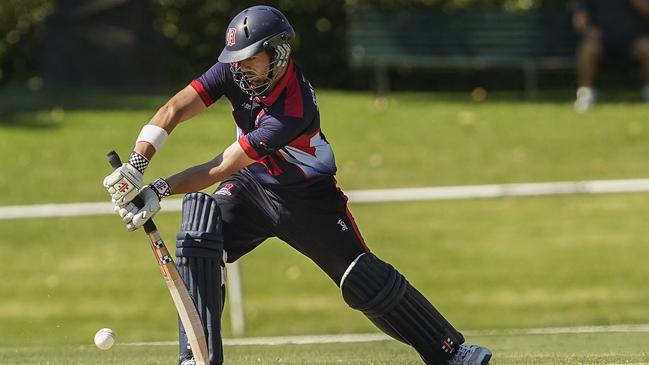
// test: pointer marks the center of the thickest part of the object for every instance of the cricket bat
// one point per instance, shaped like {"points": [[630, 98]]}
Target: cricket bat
{"points": [[185, 306]]}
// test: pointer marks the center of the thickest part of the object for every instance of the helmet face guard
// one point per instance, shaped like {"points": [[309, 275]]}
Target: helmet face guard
{"points": [[257, 29], [279, 61]]}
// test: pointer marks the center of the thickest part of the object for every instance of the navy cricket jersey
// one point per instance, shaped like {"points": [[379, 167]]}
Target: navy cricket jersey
{"points": [[280, 131]]}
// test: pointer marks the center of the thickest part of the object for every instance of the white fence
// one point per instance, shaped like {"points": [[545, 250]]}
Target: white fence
{"points": [[235, 296]]}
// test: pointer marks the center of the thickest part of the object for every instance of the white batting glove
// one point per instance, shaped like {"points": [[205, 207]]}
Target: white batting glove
{"points": [[135, 217], [124, 184]]}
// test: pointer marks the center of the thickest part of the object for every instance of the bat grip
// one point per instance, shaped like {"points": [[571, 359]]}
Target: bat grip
{"points": [[116, 162]]}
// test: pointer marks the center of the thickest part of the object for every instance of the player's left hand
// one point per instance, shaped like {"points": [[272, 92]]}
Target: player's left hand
{"points": [[135, 217]]}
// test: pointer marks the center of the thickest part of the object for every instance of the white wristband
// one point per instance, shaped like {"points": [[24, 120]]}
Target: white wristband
{"points": [[154, 135]]}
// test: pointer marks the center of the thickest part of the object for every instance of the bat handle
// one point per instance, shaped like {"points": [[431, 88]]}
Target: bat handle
{"points": [[113, 159], [116, 162]]}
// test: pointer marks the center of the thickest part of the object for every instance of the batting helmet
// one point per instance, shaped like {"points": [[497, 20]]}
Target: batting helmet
{"points": [[253, 30]]}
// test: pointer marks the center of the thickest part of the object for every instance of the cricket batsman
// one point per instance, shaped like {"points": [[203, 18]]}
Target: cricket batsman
{"points": [[275, 180]]}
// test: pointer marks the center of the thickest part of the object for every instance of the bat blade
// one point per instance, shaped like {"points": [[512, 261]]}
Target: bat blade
{"points": [[183, 301], [185, 306]]}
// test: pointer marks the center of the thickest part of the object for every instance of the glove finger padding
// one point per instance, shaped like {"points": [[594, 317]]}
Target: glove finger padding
{"points": [[149, 209], [126, 212]]}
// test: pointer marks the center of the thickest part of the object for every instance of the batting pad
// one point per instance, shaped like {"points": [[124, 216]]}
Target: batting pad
{"points": [[384, 295], [200, 233], [199, 252]]}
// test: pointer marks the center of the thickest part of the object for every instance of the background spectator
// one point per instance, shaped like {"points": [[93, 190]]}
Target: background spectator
{"points": [[612, 28]]}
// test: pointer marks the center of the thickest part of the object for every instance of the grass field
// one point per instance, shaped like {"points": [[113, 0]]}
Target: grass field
{"points": [[487, 264], [577, 349]]}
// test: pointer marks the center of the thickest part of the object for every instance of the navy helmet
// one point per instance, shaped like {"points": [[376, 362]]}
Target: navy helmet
{"points": [[253, 30], [258, 28]]}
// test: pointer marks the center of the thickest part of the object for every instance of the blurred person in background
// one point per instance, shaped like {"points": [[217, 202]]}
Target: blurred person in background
{"points": [[275, 180], [618, 29]]}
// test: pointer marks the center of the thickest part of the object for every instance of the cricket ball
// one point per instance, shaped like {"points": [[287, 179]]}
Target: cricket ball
{"points": [[105, 338]]}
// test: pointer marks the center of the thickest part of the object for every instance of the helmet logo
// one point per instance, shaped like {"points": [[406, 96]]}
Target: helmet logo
{"points": [[231, 37]]}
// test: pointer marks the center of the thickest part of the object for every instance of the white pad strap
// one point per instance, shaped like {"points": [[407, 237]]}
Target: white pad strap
{"points": [[154, 135], [349, 269]]}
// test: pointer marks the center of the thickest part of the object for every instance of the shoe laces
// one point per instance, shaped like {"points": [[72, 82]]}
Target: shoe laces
{"points": [[461, 355]]}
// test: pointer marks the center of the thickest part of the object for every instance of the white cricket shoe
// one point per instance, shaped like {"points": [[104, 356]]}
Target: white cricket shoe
{"points": [[188, 362], [470, 355], [586, 97]]}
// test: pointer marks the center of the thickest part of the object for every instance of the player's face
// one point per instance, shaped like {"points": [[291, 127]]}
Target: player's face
{"points": [[256, 67]]}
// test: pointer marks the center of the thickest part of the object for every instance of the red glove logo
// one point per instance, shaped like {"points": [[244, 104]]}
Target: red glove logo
{"points": [[123, 187]]}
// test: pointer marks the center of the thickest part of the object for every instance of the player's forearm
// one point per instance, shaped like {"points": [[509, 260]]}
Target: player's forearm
{"points": [[205, 175], [194, 178], [181, 107]]}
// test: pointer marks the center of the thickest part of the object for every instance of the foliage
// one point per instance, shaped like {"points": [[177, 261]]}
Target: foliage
{"points": [[20, 30], [194, 29], [511, 5]]}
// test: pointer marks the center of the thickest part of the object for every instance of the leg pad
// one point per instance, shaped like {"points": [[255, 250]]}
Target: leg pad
{"points": [[384, 295], [199, 253]]}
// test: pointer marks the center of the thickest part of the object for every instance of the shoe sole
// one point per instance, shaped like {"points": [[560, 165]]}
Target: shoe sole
{"points": [[486, 360]]}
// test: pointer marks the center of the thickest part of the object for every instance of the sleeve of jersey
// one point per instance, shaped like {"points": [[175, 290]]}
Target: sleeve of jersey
{"points": [[272, 134], [210, 86]]}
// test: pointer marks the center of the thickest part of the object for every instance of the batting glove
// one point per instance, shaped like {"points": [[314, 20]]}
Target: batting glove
{"points": [[124, 184], [135, 217]]}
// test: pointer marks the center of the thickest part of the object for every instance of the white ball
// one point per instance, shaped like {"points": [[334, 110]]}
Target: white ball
{"points": [[105, 338]]}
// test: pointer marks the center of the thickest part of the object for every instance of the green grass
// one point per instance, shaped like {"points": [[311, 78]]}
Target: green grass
{"points": [[489, 264], [412, 140], [486, 264], [599, 348]]}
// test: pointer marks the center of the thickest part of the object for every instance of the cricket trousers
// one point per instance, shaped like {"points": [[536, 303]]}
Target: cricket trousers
{"points": [[312, 218]]}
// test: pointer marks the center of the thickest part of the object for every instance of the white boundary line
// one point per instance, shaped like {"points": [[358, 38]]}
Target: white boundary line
{"points": [[374, 337], [370, 196]]}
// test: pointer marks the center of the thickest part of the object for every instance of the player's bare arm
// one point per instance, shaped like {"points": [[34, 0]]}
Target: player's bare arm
{"points": [[204, 175], [181, 107], [126, 182]]}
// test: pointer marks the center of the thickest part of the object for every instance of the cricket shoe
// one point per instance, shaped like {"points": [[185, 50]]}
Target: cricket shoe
{"points": [[188, 362], [586, 97], [470, 355]]}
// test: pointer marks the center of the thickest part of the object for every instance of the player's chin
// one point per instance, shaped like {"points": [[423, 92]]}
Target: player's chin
{"points": [[257, 80]]}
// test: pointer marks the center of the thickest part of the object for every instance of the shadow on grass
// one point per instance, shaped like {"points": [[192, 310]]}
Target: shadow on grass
{"points": [[23, 108], [27, 120]]}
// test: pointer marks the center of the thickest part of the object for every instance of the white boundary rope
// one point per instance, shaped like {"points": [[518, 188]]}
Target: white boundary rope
{"points": [[370, 196]]}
